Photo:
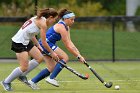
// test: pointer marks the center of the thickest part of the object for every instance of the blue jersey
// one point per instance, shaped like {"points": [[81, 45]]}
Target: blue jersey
{"points": [[52, 37]]}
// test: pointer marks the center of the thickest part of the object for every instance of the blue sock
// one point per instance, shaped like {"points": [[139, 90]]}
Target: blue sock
{"points": [[56, 70], [44, 73]]}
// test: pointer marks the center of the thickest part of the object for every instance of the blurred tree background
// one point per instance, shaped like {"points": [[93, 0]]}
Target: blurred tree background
{"points": [[80, 7]]}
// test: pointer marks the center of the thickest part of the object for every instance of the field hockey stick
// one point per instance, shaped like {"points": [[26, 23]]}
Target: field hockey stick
{"points": [[70, 69], [107, 84], [74, 72]]}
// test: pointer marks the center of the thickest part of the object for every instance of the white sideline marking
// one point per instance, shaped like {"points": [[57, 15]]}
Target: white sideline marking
{"points": [[109, 80], [124, 80], [89, 82]]}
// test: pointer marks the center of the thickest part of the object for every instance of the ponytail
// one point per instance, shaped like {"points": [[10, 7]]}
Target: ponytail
{"points": [[47, 12]]}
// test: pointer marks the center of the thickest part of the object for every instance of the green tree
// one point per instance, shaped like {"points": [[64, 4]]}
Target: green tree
{"points": [[85, 9], [17, 8], [115, 7]]}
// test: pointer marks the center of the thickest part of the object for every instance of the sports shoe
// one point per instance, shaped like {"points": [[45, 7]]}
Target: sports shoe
{"points": [[52, 81], [33, 85], [23, 79], [6, 86]]}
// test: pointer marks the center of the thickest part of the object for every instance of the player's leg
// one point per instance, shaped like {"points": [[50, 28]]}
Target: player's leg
{"points": [[58, 67], [43, 73], [23, 60], [37, 59]]}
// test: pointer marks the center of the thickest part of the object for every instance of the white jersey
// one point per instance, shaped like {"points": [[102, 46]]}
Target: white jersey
{"points": [[26, 32]]}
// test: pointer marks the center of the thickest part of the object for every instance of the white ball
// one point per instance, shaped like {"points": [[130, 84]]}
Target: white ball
{"points": [[117, 87]]}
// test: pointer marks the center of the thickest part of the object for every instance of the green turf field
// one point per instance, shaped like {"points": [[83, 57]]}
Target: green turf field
{"points": [[124, 74], [93, 43]]}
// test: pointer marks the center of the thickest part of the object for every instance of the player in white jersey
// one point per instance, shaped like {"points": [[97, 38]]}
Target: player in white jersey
{"points": [[22, 45], [27, 31]]}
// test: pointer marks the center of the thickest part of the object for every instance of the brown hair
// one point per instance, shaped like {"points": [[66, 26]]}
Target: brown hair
{"points": [[47, 12], [63, 12]]}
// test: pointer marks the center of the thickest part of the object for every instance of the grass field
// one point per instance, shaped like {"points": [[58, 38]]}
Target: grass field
{"points": [[124, 74], [93, 43]]}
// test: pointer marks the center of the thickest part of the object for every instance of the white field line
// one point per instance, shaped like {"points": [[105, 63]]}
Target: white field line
{"points": [[89, 82], [110, 80], [125, 80]]}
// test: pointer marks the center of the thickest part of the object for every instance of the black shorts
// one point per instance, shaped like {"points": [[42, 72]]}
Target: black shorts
{"points": [[19, 47]]}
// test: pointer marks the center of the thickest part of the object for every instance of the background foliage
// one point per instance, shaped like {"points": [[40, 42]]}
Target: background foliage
{"points": [[80, 7]]}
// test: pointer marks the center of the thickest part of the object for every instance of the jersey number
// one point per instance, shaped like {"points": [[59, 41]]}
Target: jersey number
{"points": [[26, 24]]}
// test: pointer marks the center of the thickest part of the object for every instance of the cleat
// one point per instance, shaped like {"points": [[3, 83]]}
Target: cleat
{"points": [[24, 80], [52, 81], [6, 86], [33, 85]]}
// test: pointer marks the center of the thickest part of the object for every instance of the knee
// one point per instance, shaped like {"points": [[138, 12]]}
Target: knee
{"points": [[51, 68], [23, 69], [66, 58], [40, 59]]}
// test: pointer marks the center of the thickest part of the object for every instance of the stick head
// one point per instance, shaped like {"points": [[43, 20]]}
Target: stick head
{"points": [[109, 84], [87, 75]]}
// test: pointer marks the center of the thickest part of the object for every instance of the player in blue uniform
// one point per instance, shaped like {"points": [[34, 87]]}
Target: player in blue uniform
{"points": [[60, 31]]}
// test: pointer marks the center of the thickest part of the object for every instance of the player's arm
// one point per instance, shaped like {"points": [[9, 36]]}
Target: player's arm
{"points": [[80, 57], [72, 44], [68, 43], [43, 29], [35, 41]]}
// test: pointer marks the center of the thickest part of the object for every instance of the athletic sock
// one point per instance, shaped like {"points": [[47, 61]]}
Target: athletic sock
{"points": [[14, 74], [32, 64], [57, 69], [44, 73]]}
